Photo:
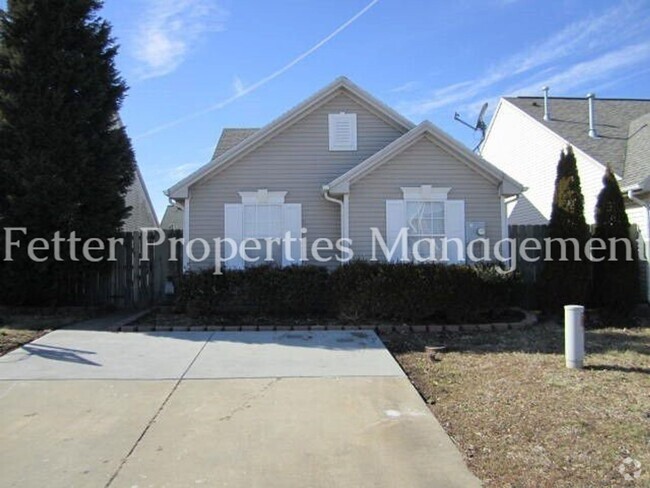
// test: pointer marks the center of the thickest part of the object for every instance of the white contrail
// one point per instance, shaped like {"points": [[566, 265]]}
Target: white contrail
{"points": [[263, 81]]}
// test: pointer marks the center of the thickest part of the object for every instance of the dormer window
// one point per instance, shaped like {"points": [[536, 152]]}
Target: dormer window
{"points": [[343, 132]]}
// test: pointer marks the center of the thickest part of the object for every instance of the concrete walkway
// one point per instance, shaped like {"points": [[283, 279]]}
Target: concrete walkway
{"points": [[235, 409]]}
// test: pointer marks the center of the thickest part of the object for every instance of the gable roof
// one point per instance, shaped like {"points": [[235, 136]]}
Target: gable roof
{"points": [[426, 129], [570, 120], [173, 218], [137, 196], [637, 159], [341, 84], [230, 137]]}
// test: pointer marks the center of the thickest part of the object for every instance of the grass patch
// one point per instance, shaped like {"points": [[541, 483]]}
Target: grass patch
{"points": [[522, 419]]}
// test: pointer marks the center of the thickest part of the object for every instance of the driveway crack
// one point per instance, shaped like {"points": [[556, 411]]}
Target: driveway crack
{"points": [[249, 401], [157, 414]]}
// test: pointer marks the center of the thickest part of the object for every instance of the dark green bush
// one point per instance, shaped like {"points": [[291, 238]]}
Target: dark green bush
{"points": [[297, 291], [355, 292], [412, 293]]}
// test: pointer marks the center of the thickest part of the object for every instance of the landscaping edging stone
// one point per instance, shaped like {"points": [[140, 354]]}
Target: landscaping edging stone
{"points": [[130, 325]]}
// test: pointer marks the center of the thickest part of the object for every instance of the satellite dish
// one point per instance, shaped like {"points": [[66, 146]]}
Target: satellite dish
{"points": [[480, 124]]}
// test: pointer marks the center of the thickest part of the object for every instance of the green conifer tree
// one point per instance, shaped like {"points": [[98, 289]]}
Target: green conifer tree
{"points": [[616, 281], [65, 163], [566, 275]]}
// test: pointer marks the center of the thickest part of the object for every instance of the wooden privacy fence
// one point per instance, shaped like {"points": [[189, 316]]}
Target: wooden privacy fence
{"points": [[131, 282]]}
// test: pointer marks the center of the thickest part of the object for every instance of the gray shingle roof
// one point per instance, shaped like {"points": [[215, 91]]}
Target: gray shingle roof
{"points": [[570, 120], [230, 138], [637, 162], [173, 218]]}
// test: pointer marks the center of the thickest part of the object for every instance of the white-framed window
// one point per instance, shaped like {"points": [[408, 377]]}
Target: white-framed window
{"points": [[425, 214], [263, 216], [425, 220], [342, 132]]}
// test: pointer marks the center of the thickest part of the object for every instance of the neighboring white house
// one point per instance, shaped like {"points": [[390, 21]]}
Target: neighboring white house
{"points": [[527, 134], [339, 164]]}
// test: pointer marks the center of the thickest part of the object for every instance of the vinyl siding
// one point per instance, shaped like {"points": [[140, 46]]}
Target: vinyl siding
{"points": [[521, 147], [423, 163], [296, 160]]}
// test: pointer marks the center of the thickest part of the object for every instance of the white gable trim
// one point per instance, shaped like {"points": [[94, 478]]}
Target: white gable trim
{"points": [[426, 129], [262, 197], [425, 192], [181, 189], [576, 149]]}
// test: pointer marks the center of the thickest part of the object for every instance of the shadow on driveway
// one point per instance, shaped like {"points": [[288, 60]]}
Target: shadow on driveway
{"points": [[56, 353]]}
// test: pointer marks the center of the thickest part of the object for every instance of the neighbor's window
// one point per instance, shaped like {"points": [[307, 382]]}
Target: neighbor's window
{"points": [[425, 220]]}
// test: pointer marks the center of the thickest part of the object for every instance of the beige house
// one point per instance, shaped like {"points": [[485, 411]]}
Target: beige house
{"points": [[334, 168]]}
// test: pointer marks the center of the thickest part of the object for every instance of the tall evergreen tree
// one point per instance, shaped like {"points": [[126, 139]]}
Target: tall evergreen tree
{"points": [[65, 162], [566, 274], [616, 281]]}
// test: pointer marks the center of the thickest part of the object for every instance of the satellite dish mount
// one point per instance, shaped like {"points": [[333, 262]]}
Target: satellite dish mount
{"points": [[480, 124]]}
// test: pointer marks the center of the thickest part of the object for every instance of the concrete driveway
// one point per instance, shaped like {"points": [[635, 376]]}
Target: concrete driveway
{"points": [[217, 409]]}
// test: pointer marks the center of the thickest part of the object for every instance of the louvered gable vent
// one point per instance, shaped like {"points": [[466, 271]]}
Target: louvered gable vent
{"points": [[343, 132]]}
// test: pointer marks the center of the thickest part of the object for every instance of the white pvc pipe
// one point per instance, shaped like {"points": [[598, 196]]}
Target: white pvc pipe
{"points": [[574, 336], [592, 115], [547, 110]]}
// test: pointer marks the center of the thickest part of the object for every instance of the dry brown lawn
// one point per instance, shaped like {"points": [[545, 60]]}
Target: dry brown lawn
{"points": [[522, 419], [19, 327]]}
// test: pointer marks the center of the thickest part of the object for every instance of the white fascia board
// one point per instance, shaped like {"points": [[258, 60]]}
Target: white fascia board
{"points": [[436, 136]]}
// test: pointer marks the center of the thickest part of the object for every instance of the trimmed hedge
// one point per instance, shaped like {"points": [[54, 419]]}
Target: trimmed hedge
{"points": [[295, 291], [413, 293], [354, 292]]}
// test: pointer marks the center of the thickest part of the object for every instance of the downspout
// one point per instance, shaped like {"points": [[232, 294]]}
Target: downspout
{"points": [[186, 234], [344, 209], [505, 234]]}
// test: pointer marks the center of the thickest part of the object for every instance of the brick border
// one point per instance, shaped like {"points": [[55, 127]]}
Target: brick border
{"points": [[129, 325]]}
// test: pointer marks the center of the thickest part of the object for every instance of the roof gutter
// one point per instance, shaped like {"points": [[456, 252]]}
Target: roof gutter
{"points": [[638, 201]]}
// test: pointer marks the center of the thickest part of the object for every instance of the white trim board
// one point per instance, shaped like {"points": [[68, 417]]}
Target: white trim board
{"points": [[181, 189], [342, 184]]}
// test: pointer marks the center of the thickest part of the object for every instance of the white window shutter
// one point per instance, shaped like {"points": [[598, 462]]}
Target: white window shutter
{"points": [[455, 229], [292, 213], [233, 229], [395, 222], [343, 132]]}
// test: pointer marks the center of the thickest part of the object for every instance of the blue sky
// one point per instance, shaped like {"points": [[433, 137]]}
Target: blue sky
{"points": [[196, 66]]}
